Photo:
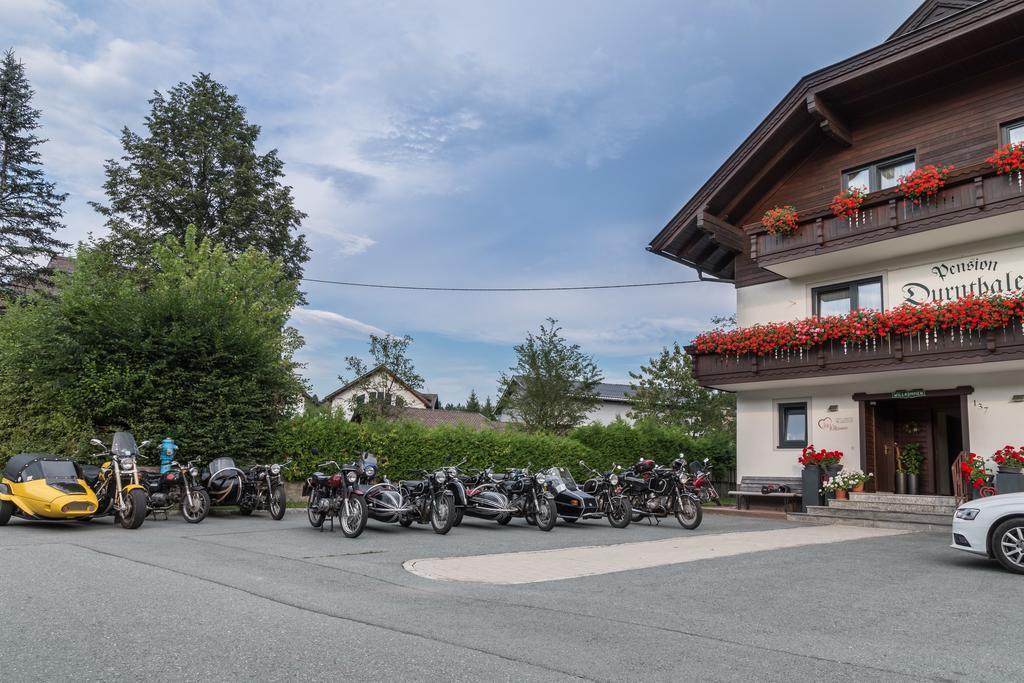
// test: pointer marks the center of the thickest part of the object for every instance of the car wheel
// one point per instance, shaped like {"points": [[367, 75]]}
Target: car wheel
{"points": [[1008, 544]]}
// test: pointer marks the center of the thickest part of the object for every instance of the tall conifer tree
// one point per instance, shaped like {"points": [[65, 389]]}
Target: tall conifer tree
{"points": [[30, 208]]}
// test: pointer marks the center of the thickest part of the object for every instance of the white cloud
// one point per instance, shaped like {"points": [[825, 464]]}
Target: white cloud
{"points": [[334, 323]]}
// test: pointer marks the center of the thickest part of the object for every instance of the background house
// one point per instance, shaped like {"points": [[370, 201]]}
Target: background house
{"points": [[614, 404], [379, 383]]}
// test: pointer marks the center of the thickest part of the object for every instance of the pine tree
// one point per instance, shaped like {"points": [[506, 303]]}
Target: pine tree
{"points": [[488, 410], [30, 209], [472, 403], [199, 166]]}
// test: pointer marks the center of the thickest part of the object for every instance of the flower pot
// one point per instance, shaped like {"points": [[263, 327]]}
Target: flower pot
{"points": [[901, 482], [811, 480], [859, 488], [912, 480], [841, 495], [1010, 480], [833, 470]]}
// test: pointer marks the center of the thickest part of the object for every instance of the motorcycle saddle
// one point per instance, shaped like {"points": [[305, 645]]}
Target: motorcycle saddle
{"points": [[91, 474]]}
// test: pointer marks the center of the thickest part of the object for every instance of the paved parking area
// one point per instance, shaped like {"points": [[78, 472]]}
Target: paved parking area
{"points": [[241, 597]]}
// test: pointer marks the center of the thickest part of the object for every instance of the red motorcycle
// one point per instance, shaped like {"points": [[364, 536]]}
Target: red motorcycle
{"points": [[699, 483]]}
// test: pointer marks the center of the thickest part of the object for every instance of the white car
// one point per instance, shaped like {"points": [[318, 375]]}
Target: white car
{"points": [[993, 527]]}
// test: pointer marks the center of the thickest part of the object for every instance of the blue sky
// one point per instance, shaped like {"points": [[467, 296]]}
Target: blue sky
{"points": [[456, 144]]}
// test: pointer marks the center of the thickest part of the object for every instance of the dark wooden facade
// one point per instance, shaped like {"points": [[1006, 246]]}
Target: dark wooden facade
{"points": [[940, 87]]}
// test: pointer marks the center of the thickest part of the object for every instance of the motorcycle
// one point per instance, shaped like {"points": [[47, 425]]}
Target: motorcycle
{"points": [[603, 486], [699, 482], [484, 498], [431, 500], [116, 481], [258, 488], [385, 502], [336, 495], [572, 502], [656, 492], [529, 498], [177, 487]]}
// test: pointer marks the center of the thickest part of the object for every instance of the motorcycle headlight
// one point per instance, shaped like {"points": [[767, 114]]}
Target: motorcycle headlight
{"points": [[440, 476], [127, 464], [194, 471], [967, 513], [614, 479], [370, 471], [539, 477], [683, 477], [351, 476], [275, 469]]}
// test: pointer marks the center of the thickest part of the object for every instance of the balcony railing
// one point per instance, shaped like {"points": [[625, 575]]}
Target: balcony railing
{"points": [[970, 193], [887, 354]]}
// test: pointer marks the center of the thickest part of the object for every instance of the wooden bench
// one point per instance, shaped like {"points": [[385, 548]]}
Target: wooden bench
{"points": [[750, 487]]}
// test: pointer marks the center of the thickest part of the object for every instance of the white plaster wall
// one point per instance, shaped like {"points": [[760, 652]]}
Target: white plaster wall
{"points": [[343, 401], [607, 412]]}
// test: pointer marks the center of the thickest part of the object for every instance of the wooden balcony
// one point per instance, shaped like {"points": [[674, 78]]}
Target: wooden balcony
{"points": [[970, 193], [884, 355]]}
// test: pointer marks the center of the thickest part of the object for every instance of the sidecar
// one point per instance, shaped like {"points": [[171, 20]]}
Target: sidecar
{"points": [[572, 502], [224, 481], [43, 486]]}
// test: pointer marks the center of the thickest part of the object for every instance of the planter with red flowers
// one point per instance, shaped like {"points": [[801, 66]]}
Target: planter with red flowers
{"points": [[924, 183], [1009, 159], [847, 204], [819, 466], [1010, 476], [781, 220], [974, 471]]}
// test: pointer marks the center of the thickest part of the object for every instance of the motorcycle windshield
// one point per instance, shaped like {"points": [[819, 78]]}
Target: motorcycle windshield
{"points": [[59, 470], [124, 444], [564, 476]]}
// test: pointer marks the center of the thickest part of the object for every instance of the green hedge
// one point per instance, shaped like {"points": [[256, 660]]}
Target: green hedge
{"points": [[406, 448]]}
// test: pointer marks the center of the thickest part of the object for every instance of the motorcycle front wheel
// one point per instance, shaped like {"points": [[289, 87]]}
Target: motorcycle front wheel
{"points": [[620, 512], [688, 511], [278, 503], [134, 513], [547, 514], [353, 516], [442, 514], [195, 508]]}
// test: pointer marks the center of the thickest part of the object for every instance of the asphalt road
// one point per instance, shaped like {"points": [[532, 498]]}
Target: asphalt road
{"points": [[238, 597]]}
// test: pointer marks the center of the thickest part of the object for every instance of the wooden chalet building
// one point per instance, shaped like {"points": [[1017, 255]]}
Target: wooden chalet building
{"points": [[947, 88]]}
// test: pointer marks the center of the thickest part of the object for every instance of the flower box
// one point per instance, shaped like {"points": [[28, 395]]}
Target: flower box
{"points": [[781, 220]]}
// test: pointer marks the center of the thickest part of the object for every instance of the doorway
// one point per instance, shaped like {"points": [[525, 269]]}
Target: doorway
{"points": [[934, 422]]}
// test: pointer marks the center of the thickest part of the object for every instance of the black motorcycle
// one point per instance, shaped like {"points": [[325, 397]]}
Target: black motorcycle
{"points": [[484, 498], [335, 495], [258, 488], [572, 502], [431, 501], [529, 498], [656, 492], [179, 486], [385, 502], [604, 487]]}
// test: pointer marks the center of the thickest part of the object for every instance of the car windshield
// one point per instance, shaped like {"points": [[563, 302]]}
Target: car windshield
{"points": [[124, 444], [50, 470]]}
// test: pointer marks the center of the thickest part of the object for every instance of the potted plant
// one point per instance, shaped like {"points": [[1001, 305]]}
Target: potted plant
{"points": [[856, 479], [912, 459], [846, 204], [924, 183], [837, 486], [1010, 159], [780, 220], [1010, 475], [974, 470], [901, 473]]}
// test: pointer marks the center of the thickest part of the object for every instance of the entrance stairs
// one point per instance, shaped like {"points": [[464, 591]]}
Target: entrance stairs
{"points": [[884, 510]]}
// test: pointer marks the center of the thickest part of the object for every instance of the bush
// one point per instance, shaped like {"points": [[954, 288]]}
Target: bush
{"points": [[404, 449]]}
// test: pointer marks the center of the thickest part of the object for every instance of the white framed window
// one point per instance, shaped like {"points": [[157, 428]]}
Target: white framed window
{"points": [[1013, 132], [880, 175], [844, 297], [792, 424]]}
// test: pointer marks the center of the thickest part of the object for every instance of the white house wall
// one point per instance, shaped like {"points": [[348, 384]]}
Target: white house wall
{"points": [[343, 401]]}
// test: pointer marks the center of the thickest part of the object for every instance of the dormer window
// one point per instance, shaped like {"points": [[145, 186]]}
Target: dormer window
{"points": [[1013, 133], [881, 175]]}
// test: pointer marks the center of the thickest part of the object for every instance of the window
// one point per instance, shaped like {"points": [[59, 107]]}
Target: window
{"points": [[848, 296], [1013, 132], [881, 175], [792, 425]]}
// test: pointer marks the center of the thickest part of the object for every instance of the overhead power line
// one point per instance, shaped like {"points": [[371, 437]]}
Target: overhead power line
{"points": [[501, 289]]}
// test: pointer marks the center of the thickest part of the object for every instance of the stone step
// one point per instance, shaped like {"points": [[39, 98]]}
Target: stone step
{"points": [[902, 499], [874, 523], [892, 507], [881, 515]]}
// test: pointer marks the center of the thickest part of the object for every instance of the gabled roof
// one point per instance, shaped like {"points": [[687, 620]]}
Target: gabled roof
{"points": [[613, 393], [929, 11], [935, 43], [428, 400], [434, 418]]}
